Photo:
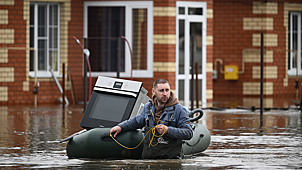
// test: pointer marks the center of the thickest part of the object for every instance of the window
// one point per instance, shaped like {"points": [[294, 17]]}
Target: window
{"points": [[295, 43], [105, 23], [191, 31], [44, 37]]}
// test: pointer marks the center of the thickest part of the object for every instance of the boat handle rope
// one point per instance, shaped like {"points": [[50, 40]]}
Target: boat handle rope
{"points": [[151, 130], [191, 114], [200, 137]]}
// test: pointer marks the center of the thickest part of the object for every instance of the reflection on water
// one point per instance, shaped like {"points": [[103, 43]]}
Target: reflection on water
{"points": [[29, 139]]}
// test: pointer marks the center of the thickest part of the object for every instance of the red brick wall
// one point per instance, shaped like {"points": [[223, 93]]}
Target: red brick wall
{"points": [[229, 41], [48, 92], [75, 53], [16, 58]]}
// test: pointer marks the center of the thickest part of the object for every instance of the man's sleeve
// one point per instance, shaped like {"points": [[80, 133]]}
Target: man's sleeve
{"points": [[184, 129], [136, 122]]}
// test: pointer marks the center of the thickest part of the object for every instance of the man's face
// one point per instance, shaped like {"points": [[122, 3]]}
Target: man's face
{"points": [[162, 92]]}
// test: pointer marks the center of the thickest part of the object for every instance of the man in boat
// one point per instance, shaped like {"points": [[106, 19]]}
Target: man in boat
{"points": [[168, 121]]}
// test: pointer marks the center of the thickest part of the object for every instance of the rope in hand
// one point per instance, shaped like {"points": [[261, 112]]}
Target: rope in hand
{"points": [[151, 130]]}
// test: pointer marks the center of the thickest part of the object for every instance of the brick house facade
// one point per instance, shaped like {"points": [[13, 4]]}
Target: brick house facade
{"points": [[230, 36], [237, 32]]}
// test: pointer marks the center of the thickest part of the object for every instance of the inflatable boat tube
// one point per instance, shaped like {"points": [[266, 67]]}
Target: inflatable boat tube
{"points": [[98, 144], [199, 142], [201, 136]]}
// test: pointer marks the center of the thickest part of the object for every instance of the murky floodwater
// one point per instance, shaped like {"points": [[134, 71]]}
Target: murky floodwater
{"points": [[29, 139]]}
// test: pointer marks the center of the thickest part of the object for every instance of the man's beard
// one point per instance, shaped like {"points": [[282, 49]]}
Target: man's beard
{"points": [[163, 100]]}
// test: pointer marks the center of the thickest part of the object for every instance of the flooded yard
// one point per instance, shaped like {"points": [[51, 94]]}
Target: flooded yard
{"points": [[29, 139]]}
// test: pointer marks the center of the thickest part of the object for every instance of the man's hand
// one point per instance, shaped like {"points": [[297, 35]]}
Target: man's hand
{"points": [[116, 130], [162, 129]]}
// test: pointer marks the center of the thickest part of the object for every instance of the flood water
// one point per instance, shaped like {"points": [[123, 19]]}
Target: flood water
{"points": [[29, 139]]}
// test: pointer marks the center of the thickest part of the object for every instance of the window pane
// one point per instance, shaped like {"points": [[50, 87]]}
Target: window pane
{"points": [[32, 15], [295, 23], [301, 60], [289, 52], [105, 27], [181, 46], [31, 44], [32, 60], [42, 28], [139, 39], [295, 41], [294, 60], [53, 60], [181, 91], [53, 37], [196, 39], [195, 92], [181, 10], [195, 11], [42, 54], [53, 15], [32, 36]]}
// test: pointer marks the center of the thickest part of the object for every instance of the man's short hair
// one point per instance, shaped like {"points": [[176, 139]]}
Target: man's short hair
{"points": [[159, 81]]}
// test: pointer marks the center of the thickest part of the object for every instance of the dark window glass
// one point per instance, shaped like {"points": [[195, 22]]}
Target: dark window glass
{"points": [[42, 53], [181, 10], [32, 14], [105, 27], [139, 39], [195, 11], [42, 19], [181, 47]]}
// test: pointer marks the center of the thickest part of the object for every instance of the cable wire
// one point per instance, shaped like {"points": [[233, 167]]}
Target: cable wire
{"points": [[151, 130]]}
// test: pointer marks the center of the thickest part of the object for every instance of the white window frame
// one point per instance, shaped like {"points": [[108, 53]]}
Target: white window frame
{"points": [[44, 73], [191, 18], [129, 5], [293, 71]]}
